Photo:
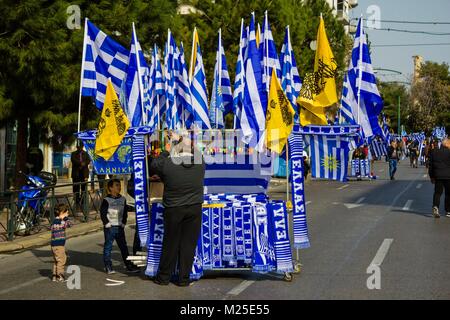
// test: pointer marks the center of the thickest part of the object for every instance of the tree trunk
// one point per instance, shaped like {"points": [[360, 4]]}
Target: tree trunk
{"points": [[21, 150]]}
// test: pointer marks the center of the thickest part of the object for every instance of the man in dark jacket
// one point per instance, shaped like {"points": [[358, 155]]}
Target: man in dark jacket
{"points": [[439, 171], [182, 173], [80, 171], [393, 155]]}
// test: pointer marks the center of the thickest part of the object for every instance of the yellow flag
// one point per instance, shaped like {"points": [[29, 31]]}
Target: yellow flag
{"points": [[279, 117], [312, 116], [195, 43], [319, 87], [113, 125], [258, 36]]}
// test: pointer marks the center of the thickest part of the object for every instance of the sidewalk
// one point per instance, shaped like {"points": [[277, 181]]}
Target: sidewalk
{"points": [[43, 239]]}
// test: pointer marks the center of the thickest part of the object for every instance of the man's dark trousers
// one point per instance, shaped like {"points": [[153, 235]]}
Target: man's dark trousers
{"points": [[439, 187], [182, 227], [77, 186]]}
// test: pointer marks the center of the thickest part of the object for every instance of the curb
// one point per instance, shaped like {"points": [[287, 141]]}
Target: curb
{"points": [[43, 239]]}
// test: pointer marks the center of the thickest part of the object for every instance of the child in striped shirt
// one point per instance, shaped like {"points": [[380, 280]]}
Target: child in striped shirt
{"points": [[58, 241]]}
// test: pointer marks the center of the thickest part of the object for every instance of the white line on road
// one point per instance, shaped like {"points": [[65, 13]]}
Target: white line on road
{"points": [[419, 186], [360, 200], [407, 205], [241, 287], [25, 284], [308, 202], [343, 187], [382, 252]]}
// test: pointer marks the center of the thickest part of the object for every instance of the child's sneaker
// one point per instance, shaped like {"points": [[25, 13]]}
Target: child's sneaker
{"points": [[448, 215], [61, 278], [436, 212], [109, 270], [54, 278]]}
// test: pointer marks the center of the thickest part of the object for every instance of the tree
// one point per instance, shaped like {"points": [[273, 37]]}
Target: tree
{"points": [[429, 105], [390, 93]]}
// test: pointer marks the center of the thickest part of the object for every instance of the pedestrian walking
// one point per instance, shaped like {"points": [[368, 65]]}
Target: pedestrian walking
{"points": [[439, 172], [413, 149], [58, 242], [114, 214], [182, 200], [80, 172], [393, 157]]}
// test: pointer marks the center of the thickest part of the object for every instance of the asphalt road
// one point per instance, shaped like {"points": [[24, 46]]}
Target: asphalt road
{"points": [[352, 225]]}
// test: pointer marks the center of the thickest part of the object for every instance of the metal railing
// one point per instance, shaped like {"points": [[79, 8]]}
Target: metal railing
{"points": [[31, 216]]}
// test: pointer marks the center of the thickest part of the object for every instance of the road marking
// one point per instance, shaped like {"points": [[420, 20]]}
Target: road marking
{"points": [[419, 186], [343, 187], [25, 284], [356, 204], [382, 252], [308, 202], [241, 287], [114, 283], [407, 205]]}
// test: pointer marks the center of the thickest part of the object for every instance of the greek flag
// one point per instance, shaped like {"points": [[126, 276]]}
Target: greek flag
{"points": [[269, 54], [198, 86], [386, 134], [439, 133], [239, 80], [103, 58], [253, 119], [329, 156], [183, 92], [156, 91], [221, 98], [360, 84], [136, 80], [290, 78], [172, 119], [378, 148]]}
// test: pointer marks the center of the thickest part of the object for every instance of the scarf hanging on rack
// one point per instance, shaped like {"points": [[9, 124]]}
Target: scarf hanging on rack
{"points": [[261, 263], [206, 244], [216, 224], [227, 234], [155, 240], [283, 254], [300, 227], [140, 189]]}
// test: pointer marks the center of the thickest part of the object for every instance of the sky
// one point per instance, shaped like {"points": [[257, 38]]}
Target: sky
{"points": [[400, 58]]}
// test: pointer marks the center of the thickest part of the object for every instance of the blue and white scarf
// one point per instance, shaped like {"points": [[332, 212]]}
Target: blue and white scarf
{"points": [[216, 236], [247, 214], [206, 239], [140, 189], [197, 265], [261, 245], [300, 226], [227, 234], [239, 232], [283, 254], [155, 240]]}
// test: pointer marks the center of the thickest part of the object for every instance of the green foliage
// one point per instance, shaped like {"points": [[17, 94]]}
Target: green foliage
{"points": [[391, 92]]}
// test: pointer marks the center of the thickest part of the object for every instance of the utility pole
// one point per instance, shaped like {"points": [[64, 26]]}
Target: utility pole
{"points": [[398, 117]]}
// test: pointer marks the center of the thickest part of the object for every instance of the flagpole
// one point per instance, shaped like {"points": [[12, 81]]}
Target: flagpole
{"points": [[191, 64], [242, 60], [141, 89], [82, 72], [360, 67], [219, 71]]}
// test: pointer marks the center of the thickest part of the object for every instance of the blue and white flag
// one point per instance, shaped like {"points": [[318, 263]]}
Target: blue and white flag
{"points": [[239, 80], [290, 78], [182, 90], [172, 118], [221, 98], [360, 84], [136, 81], [386, 134], [253, 118], [198, 86], [439, 133], [329, 156], [269, 54], [378, 148], [156, 92], [103, 58]]}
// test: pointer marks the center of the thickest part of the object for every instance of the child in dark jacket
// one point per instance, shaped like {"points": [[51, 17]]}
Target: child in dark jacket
{"points": [[114, 214], [58, 241]]}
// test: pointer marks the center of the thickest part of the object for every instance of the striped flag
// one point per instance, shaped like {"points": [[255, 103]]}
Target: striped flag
{"points": [[183, 90], [136, 80], [156, 92], [239, 80], [329, 156], [198, 86], [269, 54], [360, 85], [172, 119], [378, 148], [290, 78], [104, 58], [253, 119], [386, 134], [221, 98]]}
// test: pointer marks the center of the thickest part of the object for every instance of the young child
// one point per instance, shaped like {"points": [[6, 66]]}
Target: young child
{"points": [[58, 241], [114, 214]]}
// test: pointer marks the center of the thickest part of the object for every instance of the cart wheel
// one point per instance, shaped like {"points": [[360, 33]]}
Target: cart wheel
{"points": [[298, 267], [287, 277]]}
